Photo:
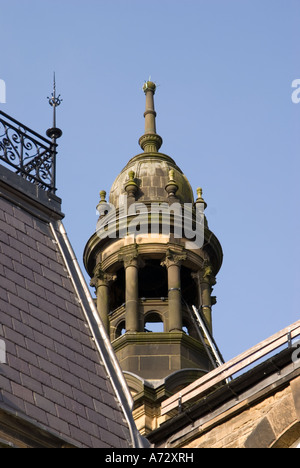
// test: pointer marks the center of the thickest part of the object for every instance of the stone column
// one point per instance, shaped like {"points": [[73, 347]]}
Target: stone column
{"points": [[132, 263], [205, 280], [101, 282], [173, 264]]}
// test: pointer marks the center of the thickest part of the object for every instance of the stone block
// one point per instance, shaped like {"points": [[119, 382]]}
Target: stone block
{"points": [[262, 436]]}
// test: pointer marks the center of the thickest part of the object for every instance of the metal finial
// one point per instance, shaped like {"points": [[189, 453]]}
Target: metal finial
{"points": [[149, 85], [54, 101]]}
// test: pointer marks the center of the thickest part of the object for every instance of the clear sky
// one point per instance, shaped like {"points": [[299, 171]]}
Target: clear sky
{"points": [[224, 70]]}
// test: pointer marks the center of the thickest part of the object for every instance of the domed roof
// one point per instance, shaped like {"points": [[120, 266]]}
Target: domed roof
{"points": [[153, 175]]}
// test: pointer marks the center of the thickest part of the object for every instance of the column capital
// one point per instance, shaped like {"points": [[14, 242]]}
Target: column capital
{"points": [[173, 258], [205, 274], [130, 257], [101, 277]]}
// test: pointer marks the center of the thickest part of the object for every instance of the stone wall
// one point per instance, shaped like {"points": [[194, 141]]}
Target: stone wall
{"points": [[274, 422]]}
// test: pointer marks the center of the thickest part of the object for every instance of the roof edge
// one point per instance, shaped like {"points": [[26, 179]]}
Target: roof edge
{"points": [[31, 197], [20, 424], [97, 329]]}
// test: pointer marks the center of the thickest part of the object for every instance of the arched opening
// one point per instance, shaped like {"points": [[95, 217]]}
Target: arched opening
{"points": [[290, 438], [189, 328], [153, 280], [153, 323], [121, 329], [185, 329]]}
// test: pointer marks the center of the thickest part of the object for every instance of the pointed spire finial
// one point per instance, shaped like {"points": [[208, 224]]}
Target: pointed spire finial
{"points": [[102, 196], [150, 141], [172, 186], [54, 102], [200, 197]]}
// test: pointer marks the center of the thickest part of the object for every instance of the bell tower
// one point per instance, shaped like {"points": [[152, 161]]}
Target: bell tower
{"points": [[151, 259]]}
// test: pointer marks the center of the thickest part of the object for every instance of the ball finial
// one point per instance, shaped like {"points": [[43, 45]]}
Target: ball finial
{"points": [[149, 85]]}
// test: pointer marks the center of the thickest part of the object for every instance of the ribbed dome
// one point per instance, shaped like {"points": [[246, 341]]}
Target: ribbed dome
{"points": [[151, 175]]}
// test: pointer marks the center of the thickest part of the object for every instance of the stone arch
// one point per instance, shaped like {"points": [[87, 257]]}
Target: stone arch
{"points": [[134, 382], [120, 329], [153, 322], [180, 379], [280, 427], [188, 327], [290, 438]]}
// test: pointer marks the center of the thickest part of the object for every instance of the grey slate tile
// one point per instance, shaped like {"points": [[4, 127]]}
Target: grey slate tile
{"points": [[60, 425], [45, 404], [54, 373], [22, 392]]}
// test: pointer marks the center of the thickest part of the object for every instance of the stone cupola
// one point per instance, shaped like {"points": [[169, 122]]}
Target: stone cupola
{"points": [[147, 279]]}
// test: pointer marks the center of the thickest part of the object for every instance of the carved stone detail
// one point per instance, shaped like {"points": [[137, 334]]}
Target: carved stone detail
{"points": [[173, 258], [101, 277], [130, 257]]}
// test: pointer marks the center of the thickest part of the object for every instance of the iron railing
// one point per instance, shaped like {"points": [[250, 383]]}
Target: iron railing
{"points": [[31, 155]]}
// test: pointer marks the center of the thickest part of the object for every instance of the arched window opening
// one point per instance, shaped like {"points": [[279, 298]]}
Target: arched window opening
{"points": [[185, 329], [121, 329], [154, 323], [189, 329]]}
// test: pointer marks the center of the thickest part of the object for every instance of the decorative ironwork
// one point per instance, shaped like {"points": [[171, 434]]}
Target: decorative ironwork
{"points": [[30, 154], [54, 101]]}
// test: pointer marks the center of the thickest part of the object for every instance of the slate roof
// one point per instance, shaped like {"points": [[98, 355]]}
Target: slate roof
{"points": [[54, 376]]}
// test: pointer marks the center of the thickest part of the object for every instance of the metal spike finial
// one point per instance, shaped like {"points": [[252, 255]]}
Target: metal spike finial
{"points": [[54, 102]]}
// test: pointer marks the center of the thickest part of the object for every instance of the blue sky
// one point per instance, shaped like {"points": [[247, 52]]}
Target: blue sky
{"points": [[224, 70]]}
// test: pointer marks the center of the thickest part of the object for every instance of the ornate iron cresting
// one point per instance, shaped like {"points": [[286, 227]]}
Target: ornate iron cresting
{"points": [[30, 154]]}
